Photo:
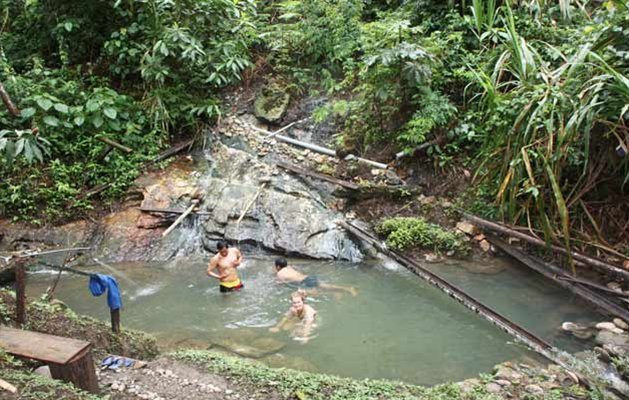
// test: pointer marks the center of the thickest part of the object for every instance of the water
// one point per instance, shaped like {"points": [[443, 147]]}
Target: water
{"points": [[398, 327]]}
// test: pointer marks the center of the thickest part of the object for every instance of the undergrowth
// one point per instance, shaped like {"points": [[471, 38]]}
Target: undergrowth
{"points": [[406, 232]]}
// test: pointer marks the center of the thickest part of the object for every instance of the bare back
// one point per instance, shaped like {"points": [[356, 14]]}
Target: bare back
{"points": [[289, 274]]}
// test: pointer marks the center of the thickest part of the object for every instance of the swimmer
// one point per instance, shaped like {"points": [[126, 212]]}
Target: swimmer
{"points": [[303, 312], [225, 261], [287, 274]]}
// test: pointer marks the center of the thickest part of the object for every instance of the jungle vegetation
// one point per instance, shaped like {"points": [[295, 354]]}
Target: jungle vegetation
{"points": [[531, 96]]}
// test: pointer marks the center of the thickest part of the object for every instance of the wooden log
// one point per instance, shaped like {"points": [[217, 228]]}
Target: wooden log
{"points": [[253, 200], [317, 148], [327, 178], [115, 144], [4, 385], [172, 211], [6, 99], [195, 202], [552, 272], [80, 371], [595, 263], [20, 292], [172, 151], [115, 320], [28, 253]]}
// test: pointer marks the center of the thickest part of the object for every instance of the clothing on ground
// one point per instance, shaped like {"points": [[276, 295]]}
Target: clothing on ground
{"points": [[100, 283]]}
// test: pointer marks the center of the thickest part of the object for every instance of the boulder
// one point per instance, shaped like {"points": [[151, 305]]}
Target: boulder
{"points": [[271, 104], [609, 326], [621, 324], [607, 337], [467, 228]]}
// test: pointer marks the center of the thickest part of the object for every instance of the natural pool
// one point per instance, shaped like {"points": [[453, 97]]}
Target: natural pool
{"points": [[397, 327]]}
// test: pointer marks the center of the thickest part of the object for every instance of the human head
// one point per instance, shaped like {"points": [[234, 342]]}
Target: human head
{"points": [[222, 247], [298, 299], [280, 263]]}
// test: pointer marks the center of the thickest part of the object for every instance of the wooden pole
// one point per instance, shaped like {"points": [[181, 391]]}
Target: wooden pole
{"points": [[115, 320], [598, 264], [20, 291], [253, 200], [181, 217], [302, 171], [115, 144]]}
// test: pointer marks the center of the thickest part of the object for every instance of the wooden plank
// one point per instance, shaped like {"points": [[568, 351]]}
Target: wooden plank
{"points": [[303, 171], [80, 371], [40, 346], [20, 291]]}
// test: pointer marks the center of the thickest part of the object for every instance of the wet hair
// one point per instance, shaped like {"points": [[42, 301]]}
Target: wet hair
{"points": [[280, 262], [301, 293], [222, 245]]}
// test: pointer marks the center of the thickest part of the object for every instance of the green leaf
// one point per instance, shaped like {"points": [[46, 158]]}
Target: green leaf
{"points": [[51, 121], [68, 26], [19, 146], [92, 106], [37, 152], [62, 108], [28, 112], [28, 151], [111, 113], [44, 104], [97, 121], [79, 120]]}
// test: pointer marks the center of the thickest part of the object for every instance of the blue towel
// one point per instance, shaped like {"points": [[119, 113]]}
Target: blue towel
{"points": [[100, 283]]}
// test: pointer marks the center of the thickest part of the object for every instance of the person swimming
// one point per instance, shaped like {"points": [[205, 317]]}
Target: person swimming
{"points": [[225, 261], [288, 274], [301, 311]]}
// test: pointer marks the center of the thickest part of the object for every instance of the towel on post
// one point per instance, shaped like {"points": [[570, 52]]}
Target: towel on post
{"points": [[100, 283]]}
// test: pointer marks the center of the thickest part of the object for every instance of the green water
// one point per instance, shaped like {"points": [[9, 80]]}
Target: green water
{"points": [[398, 327]]}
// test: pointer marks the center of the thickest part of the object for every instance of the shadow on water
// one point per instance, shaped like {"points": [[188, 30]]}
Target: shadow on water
{"points": [[397, 327]]}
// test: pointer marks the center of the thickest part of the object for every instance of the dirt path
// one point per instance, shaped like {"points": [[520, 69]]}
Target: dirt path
{"points": [[166, 379]]}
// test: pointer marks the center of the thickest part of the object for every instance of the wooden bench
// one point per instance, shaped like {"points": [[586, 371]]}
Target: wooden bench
{"points": [[70, 360]]}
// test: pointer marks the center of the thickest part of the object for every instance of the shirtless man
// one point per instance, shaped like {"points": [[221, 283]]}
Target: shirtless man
{"points": [[225, 262], [287, 274], [301, 311]]}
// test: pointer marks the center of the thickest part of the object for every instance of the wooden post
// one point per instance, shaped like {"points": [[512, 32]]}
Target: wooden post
{"points": [[115, 320], [20, 291], [80, 371]]}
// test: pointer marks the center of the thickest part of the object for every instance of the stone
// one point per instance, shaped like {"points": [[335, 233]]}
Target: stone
{"points": [[468, 385], [503, 382], [607, 337], [271, 103], [534, 389], [625, 264], [621, 324], [479, 237], [467, 228], [493, 388], [505, 372], [228, 391], [43, 371], [609, 326], [426, 200], [614, 286], [431, 257], [485, 245]]}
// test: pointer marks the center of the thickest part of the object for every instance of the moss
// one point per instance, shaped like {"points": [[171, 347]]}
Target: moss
{"points": [[309, 385], [403, 233], [35, 387]]}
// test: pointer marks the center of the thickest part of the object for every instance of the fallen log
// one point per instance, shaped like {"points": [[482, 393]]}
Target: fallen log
{"points": [[317, 148], [555, 274], [327, 178], [4, 385], [593, 262], [172, 151], [115, 144], [421, 147], [195, 202], [27, 253], [172, 211]]}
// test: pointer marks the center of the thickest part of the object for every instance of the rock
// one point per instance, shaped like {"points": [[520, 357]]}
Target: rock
{"points": [[479, 237], [534, 389], [504, 371], [493, 388], [607, 337], [625, 264], [431, 257], [621, 324], [615, 350], [609, 326], [467, 228], [271, 103], [425, 200], [614, 286], [485, 245], [468, 385], [43, 371], [503, 382], [228, 391], [248, 344]]}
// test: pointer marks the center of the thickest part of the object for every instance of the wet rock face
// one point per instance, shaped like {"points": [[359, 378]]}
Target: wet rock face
{"points": [[285, 217]]}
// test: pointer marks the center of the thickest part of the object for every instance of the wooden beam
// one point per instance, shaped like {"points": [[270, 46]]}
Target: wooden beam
{"points": [[20, 291], [115, 320], [195, 202], [172, 211], [555, 274], [601, 266], [172, 151], [327, 178], [253, 200]]}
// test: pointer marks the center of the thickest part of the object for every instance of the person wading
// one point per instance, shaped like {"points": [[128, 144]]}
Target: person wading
{"points": [[225, 261]]}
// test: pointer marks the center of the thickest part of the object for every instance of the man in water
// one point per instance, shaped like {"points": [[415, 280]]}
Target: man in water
{"points": [[301, 311], [287, 274], [225, 261]]}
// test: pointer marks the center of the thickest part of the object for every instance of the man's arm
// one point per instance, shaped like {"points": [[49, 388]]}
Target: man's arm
{"points": [[238, 258], [211, 267]]}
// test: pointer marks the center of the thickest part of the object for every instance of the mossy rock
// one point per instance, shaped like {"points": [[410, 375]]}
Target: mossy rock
{"points": [[271, 104]]}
